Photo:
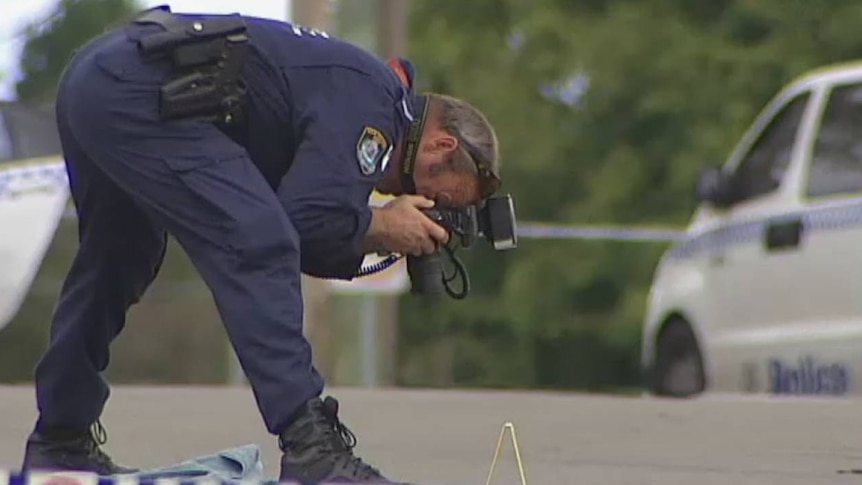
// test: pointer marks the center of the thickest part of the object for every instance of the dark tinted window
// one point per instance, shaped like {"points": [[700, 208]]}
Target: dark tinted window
{"points": [[27, 132], [836, 161], [762, 169], [7, 151]]}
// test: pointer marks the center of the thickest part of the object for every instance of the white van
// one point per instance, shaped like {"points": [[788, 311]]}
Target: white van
{"points": [[34, 194], [764, 292]]}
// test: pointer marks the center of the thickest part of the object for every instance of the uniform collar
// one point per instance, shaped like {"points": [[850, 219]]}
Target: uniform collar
{"points": [[406, 73], [404, 69], [406, 107]]}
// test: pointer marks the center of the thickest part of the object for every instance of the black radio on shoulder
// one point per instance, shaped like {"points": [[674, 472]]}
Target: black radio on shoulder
{"points": [[493, 221], [207, 55]]}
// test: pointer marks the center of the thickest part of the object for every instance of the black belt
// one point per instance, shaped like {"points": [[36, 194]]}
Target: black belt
{"points": [[207, 55]]}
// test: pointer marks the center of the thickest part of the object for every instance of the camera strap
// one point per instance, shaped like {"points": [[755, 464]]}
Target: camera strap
{"points": [[411, 142]]}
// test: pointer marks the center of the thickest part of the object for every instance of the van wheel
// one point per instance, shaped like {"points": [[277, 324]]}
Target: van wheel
{"points": [[678, 368]]}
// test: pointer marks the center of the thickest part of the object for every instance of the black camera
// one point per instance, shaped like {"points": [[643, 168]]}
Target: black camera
{"points": [[492, 220]]}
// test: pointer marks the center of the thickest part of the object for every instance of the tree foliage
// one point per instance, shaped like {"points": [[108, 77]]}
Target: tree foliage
{"points": [[648, 92], [606, 110], [50, 43]]}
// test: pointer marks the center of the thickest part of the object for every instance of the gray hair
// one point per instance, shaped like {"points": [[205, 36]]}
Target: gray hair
{"points": [[479, 149]]}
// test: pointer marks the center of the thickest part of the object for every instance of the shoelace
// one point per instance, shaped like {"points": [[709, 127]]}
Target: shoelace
{"points": [[330, 410], [332, 427], [98, 437]]}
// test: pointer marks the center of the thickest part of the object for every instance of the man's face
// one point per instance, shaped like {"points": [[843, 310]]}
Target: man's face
{"points": [[435, 178]]}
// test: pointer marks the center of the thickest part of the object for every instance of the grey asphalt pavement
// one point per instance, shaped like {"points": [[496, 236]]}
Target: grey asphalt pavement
{"points": [[448, 437]]}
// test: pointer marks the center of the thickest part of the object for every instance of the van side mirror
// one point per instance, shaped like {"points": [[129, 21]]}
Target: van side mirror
{"points": [[714, 187]]}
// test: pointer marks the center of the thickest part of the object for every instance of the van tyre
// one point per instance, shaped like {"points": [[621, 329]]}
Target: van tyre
{"points": [[678, 370]]}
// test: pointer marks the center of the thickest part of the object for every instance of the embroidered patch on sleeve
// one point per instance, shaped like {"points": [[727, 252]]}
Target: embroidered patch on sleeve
{"points": [[371, 149]]}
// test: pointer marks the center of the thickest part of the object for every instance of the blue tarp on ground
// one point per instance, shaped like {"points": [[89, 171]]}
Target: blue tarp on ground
{"points": [[234, 464], [240, 464]]}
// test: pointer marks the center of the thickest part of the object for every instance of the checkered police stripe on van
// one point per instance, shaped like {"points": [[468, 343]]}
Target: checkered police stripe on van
{"points": [[16, 179], [753, 231], [834, 217], [73, 478], [716, 239]]}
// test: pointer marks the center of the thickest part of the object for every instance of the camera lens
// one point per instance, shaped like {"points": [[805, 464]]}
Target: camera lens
{"points": [[426, 274]]}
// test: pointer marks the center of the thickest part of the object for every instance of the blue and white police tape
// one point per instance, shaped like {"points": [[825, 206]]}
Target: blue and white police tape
{"points": [[71, 478], [574, 231], [17, 178], [24, 176], [78, 478]]}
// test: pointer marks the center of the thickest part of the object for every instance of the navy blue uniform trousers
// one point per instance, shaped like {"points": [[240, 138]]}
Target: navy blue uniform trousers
{"points": [[134, 179]]}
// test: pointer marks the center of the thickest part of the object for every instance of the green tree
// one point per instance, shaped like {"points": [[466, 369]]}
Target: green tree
{"points": [[50, 43], [178, 291], [667, 87]]}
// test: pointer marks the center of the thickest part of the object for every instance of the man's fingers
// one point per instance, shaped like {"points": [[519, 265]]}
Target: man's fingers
{"points": [[419, 201], [422, 247], [436, 231], [428, 246], [439, 234]]}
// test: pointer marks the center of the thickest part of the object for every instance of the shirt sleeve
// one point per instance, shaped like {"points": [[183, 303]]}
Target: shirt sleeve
{"points": [[346, 138]]}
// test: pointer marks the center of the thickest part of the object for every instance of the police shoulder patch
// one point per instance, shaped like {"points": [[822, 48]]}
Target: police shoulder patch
{"points": [[371, 149]]}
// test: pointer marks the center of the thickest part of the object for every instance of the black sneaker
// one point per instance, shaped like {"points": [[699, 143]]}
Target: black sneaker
{"points": [[317, 447], [71, 453]]}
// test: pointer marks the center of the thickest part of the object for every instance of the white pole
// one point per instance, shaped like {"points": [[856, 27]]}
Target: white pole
{"points": [[369, 318]]}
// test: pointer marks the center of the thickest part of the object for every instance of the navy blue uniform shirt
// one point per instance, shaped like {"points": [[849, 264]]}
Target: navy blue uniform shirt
{"points": [[324, 118]]}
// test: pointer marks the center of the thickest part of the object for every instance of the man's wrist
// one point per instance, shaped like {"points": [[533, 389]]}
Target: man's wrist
{"points": [[373, 240]]}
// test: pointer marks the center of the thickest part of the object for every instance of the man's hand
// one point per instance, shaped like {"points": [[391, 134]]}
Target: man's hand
{"points": [[401, 227]]}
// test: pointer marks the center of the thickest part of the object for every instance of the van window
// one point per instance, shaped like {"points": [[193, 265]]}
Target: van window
{"points": [[27, 132], [761, 170], [6, 150], [836, 161]]}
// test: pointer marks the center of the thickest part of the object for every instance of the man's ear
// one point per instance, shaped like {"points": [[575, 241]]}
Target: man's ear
{"points": [[440, 144]]}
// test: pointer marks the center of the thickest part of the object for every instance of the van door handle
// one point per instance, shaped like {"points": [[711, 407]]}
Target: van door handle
{"points": [[784, 234]]}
